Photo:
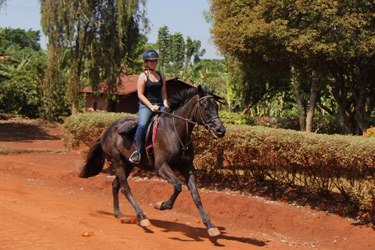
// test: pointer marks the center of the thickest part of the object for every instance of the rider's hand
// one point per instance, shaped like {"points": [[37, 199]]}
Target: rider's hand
{"points": [[155, 108], [165, 109]]}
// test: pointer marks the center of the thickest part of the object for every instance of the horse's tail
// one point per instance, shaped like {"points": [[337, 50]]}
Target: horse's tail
{"points": [[94, 162]]}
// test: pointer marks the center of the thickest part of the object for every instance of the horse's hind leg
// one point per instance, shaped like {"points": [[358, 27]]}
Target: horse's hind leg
{"points": [[123, 170], [167, 173], [115, 189], [189, 174]]}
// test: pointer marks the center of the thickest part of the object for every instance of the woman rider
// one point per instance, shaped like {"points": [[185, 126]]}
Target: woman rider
{"points": [[152, 94]]}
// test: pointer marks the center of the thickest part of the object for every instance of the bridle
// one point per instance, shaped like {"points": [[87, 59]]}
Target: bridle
{"points": [[206, 122]]}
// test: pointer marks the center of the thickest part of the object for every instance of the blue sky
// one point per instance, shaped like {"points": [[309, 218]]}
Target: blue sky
{"points": [[181, 16]]}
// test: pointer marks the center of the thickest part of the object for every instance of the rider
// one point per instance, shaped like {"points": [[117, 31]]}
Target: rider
{"points": [[152, 94]]}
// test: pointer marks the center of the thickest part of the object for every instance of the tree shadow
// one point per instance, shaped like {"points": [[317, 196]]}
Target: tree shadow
{"points": [[200, 234], [16, 132]]}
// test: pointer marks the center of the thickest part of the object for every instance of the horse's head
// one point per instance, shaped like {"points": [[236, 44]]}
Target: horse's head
{"points": [[208, 112]]}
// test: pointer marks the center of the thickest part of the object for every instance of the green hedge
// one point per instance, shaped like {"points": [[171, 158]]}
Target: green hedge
{"points": [[334, 163], [248, 154], [84, 128]]}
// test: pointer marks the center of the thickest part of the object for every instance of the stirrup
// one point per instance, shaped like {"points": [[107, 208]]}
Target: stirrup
{"points": [[135, 157]]}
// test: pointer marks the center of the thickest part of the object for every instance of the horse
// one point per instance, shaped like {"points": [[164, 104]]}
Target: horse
{"points": [[172, 151]]}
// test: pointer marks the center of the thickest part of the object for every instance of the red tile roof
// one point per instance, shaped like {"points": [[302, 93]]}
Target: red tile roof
{"points": [[128, 85]]}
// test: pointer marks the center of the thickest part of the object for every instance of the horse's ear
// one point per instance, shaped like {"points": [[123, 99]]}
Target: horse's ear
{"points": [[212, 90], [200, 91]]}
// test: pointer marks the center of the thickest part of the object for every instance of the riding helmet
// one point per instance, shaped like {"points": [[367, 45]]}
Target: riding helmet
{"points": [[150, 55]]}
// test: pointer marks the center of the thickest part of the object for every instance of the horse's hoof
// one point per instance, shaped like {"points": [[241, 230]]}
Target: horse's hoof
{"points": [[145, 223], [158, 205], [213, 232]]}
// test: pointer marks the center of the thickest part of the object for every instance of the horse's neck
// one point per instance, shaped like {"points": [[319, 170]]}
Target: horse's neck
{"points": [[188, 110]]}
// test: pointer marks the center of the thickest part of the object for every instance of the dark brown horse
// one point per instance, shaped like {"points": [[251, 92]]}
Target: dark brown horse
{"points": [[173, 150]]}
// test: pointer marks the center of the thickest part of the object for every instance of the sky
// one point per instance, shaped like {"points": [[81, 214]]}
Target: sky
{"points": [[181, 16]]}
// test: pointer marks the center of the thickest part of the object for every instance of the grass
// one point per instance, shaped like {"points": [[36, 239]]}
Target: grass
{"points": [[9, 150]]}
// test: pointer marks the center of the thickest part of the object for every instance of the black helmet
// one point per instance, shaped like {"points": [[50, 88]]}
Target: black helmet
{"points": [[150, 55]]}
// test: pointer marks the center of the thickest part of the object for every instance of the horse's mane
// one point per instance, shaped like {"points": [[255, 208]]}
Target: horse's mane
{"points": [[182, 97]]}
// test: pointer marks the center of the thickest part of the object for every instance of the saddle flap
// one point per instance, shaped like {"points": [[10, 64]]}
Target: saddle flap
{"points": [[127, 127]]}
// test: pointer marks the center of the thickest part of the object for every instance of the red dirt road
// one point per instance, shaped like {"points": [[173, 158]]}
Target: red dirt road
{"points": [[44, 205]]}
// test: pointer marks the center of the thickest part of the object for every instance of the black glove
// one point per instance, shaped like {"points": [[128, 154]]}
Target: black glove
{"points": [[164, 109]]}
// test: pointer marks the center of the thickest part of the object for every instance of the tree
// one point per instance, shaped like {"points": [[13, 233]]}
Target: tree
{"points": [[92, 40], [177, 52], [193, 52], [163, 45], [175, 55], [330, 38], [20, 37], [21, 73]]}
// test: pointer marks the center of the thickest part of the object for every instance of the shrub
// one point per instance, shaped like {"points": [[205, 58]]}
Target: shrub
{"points": [[86, 127], [370, 132], [248, 154], [321, 163], [236, 119]]}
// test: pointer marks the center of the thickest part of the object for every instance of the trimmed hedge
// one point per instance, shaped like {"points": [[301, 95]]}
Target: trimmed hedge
{"points": [[323, 163], [335, 163], [87, 127]]}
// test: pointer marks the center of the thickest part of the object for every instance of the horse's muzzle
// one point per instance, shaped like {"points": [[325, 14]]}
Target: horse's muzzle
{"points": [[218, 132]]}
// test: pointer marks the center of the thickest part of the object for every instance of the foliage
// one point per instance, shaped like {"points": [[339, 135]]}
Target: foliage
{"points": [[90, 41], [21, 78], [87, 127], [319, 163], [265, 39], [21, 81], [20, 37], [176, 55], [236, 119], [370, 132], [213, 73], [163, 45], [177, 50]]}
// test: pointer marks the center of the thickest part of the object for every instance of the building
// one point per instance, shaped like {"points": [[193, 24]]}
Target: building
{"points": [[126, 92]]}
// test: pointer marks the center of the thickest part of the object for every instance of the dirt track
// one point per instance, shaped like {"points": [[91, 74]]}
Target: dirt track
{"points": [[44, 205]]}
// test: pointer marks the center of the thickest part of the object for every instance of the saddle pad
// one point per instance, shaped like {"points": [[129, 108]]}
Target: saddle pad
{"points": [[154, 125]]}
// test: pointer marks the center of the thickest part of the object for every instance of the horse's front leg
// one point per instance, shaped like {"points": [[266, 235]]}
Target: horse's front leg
{"points": [[167, 173], [189, 174]]}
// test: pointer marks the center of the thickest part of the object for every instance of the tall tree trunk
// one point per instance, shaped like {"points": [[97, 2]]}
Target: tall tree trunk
{"points": [[361, 116], [343, 116], [297, 94], [313, 96]]}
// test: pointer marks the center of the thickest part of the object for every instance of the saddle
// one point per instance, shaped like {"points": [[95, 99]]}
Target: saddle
{"points": [[127, 131]]}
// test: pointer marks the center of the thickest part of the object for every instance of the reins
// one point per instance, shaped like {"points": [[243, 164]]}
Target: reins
{"points": [[203, 117]]}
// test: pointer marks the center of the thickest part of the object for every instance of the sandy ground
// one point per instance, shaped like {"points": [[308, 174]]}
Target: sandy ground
{"points": [[44, 205]]}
